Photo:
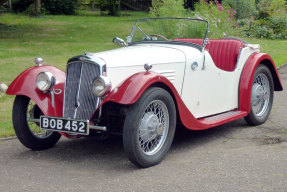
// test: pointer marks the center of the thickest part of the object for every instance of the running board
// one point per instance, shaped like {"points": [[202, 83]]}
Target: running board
{"points": [[222, 118]]}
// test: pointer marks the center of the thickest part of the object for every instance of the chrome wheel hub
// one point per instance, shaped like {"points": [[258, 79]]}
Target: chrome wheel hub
{"points": [[149, 126], [260, 94], [153, 127]]}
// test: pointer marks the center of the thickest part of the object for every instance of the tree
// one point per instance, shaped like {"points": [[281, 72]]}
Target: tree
{"points": [[37, 7], [113, 6]]}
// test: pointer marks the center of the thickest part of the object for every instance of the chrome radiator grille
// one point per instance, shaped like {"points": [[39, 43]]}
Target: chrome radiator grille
{"points": [[79, 101]]}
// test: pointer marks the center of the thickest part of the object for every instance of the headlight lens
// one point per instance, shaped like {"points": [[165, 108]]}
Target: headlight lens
{"points": [[101, 86], [45, 81]]}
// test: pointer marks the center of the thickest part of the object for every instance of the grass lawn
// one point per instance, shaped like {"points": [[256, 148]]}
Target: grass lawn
{"points": [[277, 49], [58, 38]]}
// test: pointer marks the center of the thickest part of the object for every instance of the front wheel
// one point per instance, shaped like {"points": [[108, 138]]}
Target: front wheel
{"points": [[149, 127], [261, 96], [29, 133]]}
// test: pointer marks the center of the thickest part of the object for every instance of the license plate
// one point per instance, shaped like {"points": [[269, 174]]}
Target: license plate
{"points": [[65, 125]]}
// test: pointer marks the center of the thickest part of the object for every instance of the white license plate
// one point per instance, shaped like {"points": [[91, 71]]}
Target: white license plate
{"points": [[64, 125]]}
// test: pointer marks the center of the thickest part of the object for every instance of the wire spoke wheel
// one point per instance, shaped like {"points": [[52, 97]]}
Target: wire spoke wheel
{"points": [[29, 133], [154, 127], [149, 127], [33, 111], [261, 96]]}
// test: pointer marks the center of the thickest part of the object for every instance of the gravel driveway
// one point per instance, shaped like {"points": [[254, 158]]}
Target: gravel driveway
{"points": [[233, 157]]}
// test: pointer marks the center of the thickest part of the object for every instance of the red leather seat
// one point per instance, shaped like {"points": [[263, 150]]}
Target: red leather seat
{"points": [[224, 52]]}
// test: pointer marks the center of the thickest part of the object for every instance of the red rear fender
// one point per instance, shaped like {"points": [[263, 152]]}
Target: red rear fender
{"points": [[25, 84], [247, 78]]}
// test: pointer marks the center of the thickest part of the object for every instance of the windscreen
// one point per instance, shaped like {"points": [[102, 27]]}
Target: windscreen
{"points": [[168, 29]]}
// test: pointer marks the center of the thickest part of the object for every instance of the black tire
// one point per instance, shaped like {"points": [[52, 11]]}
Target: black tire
{"points": [[22, 128], [257, 118], [163, 132]]}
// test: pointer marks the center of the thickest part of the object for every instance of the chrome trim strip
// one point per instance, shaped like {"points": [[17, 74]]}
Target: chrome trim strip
{"points": [[79, 87], [63, 112], [238, 59], [53, 97], [64, 104]]}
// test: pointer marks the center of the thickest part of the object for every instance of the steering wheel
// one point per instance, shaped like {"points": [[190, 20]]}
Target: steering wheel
{"points": [[160, 36]]}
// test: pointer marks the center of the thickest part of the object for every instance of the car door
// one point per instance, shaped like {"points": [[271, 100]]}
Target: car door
{"points": [[208, 90]]}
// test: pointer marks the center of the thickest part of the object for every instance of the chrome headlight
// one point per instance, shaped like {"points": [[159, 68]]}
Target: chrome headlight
{"points": [[45, 81], [101, 86]]}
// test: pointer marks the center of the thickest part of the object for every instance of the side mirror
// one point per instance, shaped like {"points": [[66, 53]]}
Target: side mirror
{"points": [[120, 42]]}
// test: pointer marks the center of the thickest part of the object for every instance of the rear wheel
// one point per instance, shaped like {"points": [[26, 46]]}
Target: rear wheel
{"points": [[149, 127], [261, 96], [29, 133]]}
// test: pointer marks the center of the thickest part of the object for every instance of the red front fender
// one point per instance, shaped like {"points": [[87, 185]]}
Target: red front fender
{"points": [[247, 78], [132, 88], [25, 84]]}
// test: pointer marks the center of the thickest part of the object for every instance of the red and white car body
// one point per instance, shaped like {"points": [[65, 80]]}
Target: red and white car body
{"points": [[210, 82]]}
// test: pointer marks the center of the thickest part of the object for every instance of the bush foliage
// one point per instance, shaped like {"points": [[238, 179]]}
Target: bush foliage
{"points": [[269, 21], [255, 18], [244, 8], [270, 28], [221, 19]]}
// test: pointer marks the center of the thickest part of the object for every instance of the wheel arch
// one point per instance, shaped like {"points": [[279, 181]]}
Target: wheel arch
{"points": [[130, 90], [276, 80], [25, 84], [247, 75]]}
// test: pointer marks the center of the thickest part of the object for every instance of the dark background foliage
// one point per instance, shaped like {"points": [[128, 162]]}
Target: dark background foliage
{"points": [[55, 7]]}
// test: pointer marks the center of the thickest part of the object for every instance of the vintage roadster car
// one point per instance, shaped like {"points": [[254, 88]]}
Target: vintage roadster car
{"points": [[167, 72]]}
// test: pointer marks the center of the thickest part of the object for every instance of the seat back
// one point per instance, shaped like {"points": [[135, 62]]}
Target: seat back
{"points": [[224, 52]]}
